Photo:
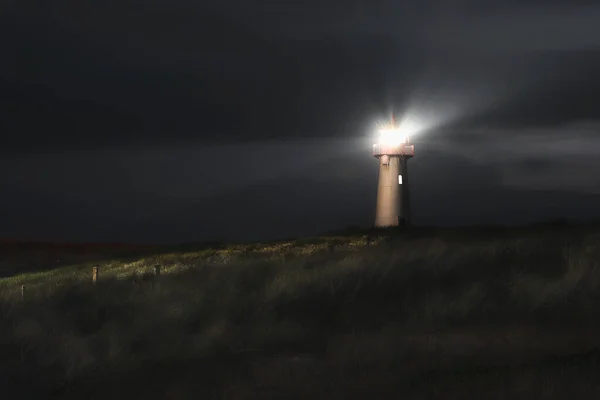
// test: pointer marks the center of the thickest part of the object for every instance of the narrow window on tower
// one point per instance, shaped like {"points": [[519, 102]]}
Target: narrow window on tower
{"points": [[399, 179]]}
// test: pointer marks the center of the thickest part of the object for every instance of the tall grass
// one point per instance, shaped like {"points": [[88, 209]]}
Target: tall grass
{"points": [[324, 315]]}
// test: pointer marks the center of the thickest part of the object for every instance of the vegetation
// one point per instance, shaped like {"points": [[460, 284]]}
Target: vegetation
{"points": [[480, 313]]}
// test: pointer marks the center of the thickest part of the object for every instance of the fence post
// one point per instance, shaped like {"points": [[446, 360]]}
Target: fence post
{"points": [[95, 273], [155, 281], [23, 291]]}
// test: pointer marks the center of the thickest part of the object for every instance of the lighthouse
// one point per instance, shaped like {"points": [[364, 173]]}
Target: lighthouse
{"points": [[393, 150]]}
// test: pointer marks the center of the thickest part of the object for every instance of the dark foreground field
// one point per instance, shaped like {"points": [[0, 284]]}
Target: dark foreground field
{"points": [[452, 314]]}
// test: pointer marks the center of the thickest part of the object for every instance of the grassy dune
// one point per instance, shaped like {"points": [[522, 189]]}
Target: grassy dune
{"points": [[426, 313]]}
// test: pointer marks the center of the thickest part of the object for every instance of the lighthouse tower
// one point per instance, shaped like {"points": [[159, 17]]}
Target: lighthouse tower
{"points": [[393, 151]]}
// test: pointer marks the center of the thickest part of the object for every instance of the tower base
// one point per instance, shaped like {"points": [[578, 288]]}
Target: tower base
{"points": [[393, 207]]}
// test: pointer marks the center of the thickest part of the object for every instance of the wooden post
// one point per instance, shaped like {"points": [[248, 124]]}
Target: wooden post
{"points": [[95, 273], [155, 282], [23, 291]]}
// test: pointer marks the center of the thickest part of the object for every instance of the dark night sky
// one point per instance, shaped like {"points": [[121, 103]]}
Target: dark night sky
{"points": [[179, 120]]}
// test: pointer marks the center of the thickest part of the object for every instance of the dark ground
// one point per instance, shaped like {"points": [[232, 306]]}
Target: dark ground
{"points": [[426, 313]]}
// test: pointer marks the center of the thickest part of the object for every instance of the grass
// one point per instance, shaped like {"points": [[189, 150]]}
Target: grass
{"points": [[424, 313]]}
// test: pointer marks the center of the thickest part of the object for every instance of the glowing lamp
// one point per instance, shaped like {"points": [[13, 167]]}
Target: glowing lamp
{"points": [[391, 137]]}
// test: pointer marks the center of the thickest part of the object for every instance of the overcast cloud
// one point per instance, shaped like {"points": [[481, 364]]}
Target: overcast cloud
{"points": [[145, 120]]}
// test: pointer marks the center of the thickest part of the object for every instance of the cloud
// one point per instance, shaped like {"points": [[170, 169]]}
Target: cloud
{"points": [[439, 24], [238, 71], [562, 158]]}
